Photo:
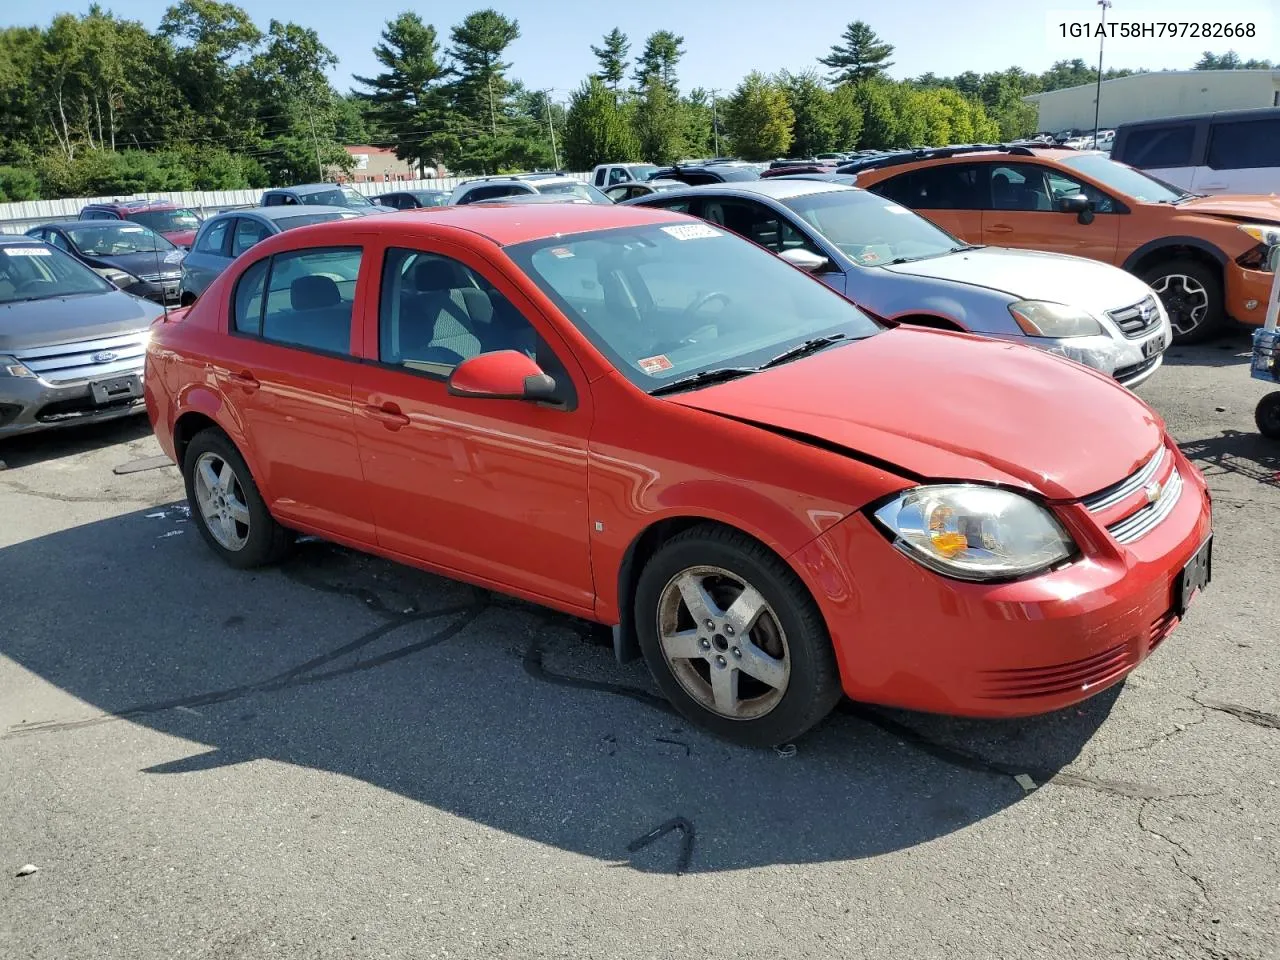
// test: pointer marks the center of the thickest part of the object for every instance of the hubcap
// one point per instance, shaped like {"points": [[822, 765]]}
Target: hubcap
{"points": [[723, 642], [221, 501], [1185, 300]]}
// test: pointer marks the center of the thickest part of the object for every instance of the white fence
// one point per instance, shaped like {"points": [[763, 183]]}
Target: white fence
{"points": [[18, 217]]}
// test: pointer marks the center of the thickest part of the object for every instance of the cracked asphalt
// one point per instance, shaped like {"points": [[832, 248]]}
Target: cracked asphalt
{"points": [[341, 757]]}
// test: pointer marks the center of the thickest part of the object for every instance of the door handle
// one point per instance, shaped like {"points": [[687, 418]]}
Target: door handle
{"points": [[244, 379], [390, 415], [1000, 228]]}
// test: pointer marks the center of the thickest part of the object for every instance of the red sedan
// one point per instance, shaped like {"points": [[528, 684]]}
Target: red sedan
{"points": [[640, 419]]}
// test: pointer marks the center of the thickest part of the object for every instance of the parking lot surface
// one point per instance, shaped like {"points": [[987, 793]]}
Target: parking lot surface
{"points": [[342, 757]]}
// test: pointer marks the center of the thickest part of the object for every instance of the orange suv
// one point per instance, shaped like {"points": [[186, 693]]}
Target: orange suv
{"points": [[1204, 256]]}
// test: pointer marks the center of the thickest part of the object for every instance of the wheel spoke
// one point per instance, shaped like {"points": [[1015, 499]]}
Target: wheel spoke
{"points": [[745, 610], [756, 663], [724, 689], [226, 477], [682, 645], [239, 512], [230, 535], [700, 605], [208, 477]]}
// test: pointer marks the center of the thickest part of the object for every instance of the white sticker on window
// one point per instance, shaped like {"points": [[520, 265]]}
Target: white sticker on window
{"points": [[894, 208], [691, 231], [173, 256], [26, 251], [130, 229]]}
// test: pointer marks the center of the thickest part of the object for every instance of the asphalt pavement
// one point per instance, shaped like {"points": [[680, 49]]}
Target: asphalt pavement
{"points": [[345, 758]]}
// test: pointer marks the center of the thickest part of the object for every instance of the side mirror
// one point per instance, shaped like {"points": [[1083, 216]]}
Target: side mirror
{"points": [[501, 375], [806, 260], [1078, 204]]}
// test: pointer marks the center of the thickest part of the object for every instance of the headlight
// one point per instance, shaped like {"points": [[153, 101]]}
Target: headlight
{"points": [[974, 532], [119, 277], [1040, 318], [1264, 233], [12, 367]]}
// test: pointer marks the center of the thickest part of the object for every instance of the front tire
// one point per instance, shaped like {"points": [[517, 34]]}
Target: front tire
{"points": [[226, 506], [733, 639], [1267, 416], [1192, 296]]}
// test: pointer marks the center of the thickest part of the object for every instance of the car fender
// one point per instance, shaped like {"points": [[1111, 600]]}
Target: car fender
{"points": [[1151, 246], [202, 399], [896, 296]]}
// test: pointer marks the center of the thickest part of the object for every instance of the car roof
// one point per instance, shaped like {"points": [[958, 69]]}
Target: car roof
{"points": [[959, 153], [307, 188], [134, 205], [846, 179], [776, 188], [280, 213], [508, 224], [20, 240], [1253, 113]]}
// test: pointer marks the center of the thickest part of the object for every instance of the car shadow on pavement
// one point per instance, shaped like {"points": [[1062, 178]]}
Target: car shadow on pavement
{"points": [[1249, 455], [1233, 349], [32, 448], [480, 706]]}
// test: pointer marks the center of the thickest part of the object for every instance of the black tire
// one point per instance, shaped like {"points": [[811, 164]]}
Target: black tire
{"points": [[1180, 300], [813, 685], [1267, 416], [266, 541]]}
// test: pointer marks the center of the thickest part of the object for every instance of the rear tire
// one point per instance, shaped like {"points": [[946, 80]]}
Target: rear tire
{"points": [[1192, 296], [1267, 416], [754, 664], [226, 506]]}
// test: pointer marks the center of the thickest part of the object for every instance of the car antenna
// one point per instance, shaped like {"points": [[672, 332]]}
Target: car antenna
{"points": [[155, 252]]}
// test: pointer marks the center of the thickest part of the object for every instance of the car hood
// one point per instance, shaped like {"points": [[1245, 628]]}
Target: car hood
{"points": [[166, 262], [951, 406], [1027, 275], [41, 323], [1236, 207]]}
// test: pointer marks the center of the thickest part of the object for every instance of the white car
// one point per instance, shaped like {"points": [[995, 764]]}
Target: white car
{"points": [[611, 174], [1230, 152], [510, 185]]}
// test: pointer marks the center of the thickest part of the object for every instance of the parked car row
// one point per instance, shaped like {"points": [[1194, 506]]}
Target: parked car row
{"points": [[643, 418]]}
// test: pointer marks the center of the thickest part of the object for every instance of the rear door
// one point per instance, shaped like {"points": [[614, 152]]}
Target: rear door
{"points": [[287, 370], [208, 256], [1023, 212], [952, 195], [1243, 156]]}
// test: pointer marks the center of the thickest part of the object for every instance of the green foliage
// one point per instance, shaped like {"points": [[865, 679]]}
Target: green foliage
{"points": [[1230, 61], [657, 124], [862, 56], [18, 183], [596, 128], [846, 111], [758, 118], [662, 53], [817, 125]]}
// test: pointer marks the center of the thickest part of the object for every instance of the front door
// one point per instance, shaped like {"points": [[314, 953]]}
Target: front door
{"points": [[493, 489], [286, 373], [1023, 213]]}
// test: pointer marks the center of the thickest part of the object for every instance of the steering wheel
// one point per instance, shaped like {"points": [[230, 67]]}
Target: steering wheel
{"points": [[703, 301]]}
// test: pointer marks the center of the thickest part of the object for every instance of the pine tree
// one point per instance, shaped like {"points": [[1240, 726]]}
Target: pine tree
{"points": [[613, 58], [863, 55]]}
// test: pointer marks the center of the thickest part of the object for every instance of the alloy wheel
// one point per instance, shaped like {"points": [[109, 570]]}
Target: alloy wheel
{"points": [[221, 500], [1185, 300], [723, 642]]}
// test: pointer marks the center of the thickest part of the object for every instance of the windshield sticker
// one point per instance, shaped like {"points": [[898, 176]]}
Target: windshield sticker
{"points": [[130, 229], [894, 208], [26, 251], [173, 256], [870, 257], [562, 253], [656, 364], [691, 231]]}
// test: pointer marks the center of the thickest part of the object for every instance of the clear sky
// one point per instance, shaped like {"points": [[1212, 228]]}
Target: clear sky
{"points": [[725, 39]]}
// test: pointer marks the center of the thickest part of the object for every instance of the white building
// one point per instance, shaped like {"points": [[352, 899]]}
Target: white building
{"points": [[1150, 96]]}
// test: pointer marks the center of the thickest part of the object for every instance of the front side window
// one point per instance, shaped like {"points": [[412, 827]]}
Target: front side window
{"points": [[1062, 186], [1160, 146], [665, 301], [757, 223], [582, 190], [248, 232], [167, 221], [308, 301], [1244, 144], [214, 239], [872, 230], [116, 239], [34, 271], [59, 241], [434, 312], [1019, 187]]}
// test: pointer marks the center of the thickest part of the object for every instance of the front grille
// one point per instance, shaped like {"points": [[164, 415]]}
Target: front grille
{"points": [[79, 407], [1158, 477], [72, 362], [1160, 630], [1137, 319], [1125, 374], [1079, 675], [160, 277]]}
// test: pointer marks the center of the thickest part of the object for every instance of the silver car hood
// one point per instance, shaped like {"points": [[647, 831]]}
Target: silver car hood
{"points": [[1029, 275]]}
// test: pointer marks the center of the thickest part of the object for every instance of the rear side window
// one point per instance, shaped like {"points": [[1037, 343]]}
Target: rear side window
{"points": [[246, 314], [310, 295], [1159, 146], [1242, 144], [214, 239], [490, 193], [248, 232], [945, 187]]}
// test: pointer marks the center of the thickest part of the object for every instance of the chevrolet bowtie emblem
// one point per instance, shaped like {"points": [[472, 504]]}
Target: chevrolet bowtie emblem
{"points": [[1154, 492]]}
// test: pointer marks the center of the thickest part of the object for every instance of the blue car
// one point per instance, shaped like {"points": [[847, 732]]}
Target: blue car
{"points": [[899, 266]]}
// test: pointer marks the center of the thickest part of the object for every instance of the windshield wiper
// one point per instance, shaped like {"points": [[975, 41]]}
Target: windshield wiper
{"points": [[967, 246], [715, 375], [802, 349]]}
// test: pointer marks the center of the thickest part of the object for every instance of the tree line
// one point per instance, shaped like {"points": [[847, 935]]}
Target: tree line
{"points": [[96, 104]]}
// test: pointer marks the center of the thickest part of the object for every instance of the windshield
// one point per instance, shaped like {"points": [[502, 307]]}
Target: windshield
{"points": [[337, 197], [39, 272], [116, 239], [871, 230], [167, 221], [745, 172], [288, 223], [578, 189], [1122, 179], [666, 301], [429, 199], [643, 171]]}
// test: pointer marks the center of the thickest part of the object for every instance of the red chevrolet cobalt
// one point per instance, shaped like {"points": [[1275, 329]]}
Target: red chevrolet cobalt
{"points": [[646, 421]]}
